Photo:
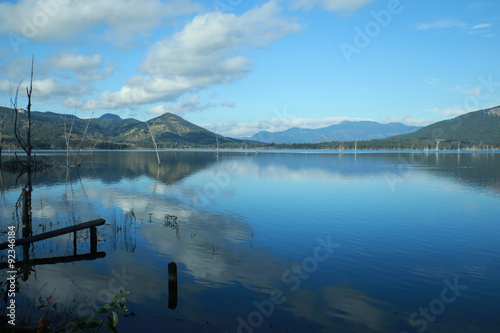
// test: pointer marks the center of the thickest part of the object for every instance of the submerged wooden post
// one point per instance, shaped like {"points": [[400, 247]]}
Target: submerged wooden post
{"points": [[172, 285], [93, 239], [74, 243]]}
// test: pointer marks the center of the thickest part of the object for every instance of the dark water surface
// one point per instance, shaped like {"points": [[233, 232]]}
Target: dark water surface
{"points": [[269, 241]]}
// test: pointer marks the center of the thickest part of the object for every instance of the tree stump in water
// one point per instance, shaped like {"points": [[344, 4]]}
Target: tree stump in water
{"points": [[172, 285]]}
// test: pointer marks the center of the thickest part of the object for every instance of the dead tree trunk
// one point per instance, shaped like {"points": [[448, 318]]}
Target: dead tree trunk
{"points": [[25, 145], [154, 142]]}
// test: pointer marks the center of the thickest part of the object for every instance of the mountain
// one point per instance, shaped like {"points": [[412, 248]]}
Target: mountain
{"points": [[473, 128], [110, 132], [345, 131], [110, 116], [170, 128]]}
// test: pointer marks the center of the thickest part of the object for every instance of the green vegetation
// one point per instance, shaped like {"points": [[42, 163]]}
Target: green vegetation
{"points": [[171, 131], [474, 130], [111, 312]]}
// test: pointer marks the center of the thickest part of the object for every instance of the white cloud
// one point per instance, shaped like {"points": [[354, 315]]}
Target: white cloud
{"points": [[191, 104], [482, 29], [85, 68], [441, 24], [432, 81], [481, 26], [18, 68], [468, 91], [407, 120], [247, 129], [201, 55], [44, 89], [450, 112], [63, 20], [453, 23], [331, 5], [460, 109]]}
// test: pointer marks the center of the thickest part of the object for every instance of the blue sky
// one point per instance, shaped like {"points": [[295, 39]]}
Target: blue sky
{"points": [[239, 66]]}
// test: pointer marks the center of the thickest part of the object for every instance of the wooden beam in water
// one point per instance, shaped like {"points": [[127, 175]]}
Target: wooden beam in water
{"points": [[57, 232], [56, 260]]}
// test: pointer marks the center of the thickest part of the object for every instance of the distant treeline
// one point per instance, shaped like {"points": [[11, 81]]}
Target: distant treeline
{"points": [[388, 144]]}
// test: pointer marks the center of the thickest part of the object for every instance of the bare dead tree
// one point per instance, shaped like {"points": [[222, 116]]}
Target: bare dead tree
{"points": [[217, 149], [437, 143], [25, 144], [83, 138], [67, 135], [154, 141], [97, 137]]}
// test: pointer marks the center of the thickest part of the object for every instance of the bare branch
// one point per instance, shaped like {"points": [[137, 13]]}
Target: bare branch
{"points": [[154, 141], [83, 138]]}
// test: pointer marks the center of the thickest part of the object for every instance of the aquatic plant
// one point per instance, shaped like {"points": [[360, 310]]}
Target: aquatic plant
{"points": [[112, 311]]}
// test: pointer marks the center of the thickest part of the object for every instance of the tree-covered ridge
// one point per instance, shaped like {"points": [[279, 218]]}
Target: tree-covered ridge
{"points": [[50, 130], [473, 128]]}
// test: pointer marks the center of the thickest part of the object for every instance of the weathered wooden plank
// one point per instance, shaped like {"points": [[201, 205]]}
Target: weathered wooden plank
{"points": [[54, 233]]}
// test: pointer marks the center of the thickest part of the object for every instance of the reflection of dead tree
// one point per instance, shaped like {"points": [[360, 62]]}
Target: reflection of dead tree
{"points": [[24, 204], [171, 222], [2, 126], [154, 189], [25, 145]]}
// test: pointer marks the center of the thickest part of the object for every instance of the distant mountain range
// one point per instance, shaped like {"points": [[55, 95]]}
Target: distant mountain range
{"points": [[345, 131], [473, 129]]}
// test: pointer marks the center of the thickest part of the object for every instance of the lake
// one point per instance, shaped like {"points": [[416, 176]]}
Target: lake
{"points": [[267, 241]]}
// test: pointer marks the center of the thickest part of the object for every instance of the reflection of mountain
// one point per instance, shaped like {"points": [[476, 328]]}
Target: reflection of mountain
{"points": [[112, 166], [234, 251], [478, 170]]}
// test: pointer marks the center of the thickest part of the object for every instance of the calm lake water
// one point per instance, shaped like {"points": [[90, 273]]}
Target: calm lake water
{"points": [[270, 241]]}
